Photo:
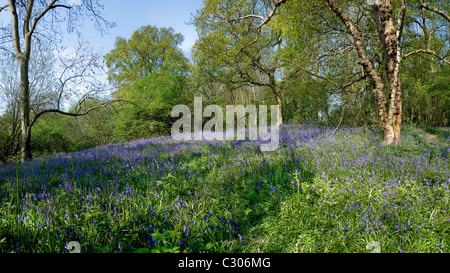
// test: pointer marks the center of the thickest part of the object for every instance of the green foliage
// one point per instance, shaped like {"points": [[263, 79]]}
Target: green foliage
{"points": [[94, 129], [439, 93], [166, 242], [225, 63], [150, 49], [151, 73], [3, 137], [49, 136], [152, 100]]}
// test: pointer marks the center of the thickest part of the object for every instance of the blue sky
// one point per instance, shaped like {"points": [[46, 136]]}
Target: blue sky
{"points": [[132, 14], [129, 16]]}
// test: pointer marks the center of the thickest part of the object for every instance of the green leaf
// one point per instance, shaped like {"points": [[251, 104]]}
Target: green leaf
{"points": [[142, 250], [158, 236], [224, 244]]}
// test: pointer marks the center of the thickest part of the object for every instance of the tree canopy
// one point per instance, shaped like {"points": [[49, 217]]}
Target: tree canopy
{"points": [[149, 50], [150, 72]]}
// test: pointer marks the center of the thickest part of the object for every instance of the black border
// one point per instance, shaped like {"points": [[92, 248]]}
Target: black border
{"points": [[169, 262]]}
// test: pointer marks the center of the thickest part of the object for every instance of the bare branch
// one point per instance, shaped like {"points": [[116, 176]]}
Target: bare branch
{"points": [[345, 86], [58, 111], [434, 9], [47, 9], [15, 20], [359, 46], [26, 21], [340, 121], [4, 7], [246, 17], [426, 51]]}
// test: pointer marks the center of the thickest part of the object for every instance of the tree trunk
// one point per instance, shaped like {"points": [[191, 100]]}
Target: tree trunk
{"points": [[388, 37], [278, 94], [25, 146], [390, 121], [23, 58], [280, 109], [397, 122]]}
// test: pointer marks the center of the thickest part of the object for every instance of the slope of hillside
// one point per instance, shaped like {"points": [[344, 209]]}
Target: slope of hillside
{"points": [[316, 193]]}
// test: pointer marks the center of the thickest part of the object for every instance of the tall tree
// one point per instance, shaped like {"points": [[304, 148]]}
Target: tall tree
{"points": [[317, 45], [426, 38], [42, 91], [390, 31], [390, 36], [31, 18], [150, 71], [150, 49], [231, 34]]}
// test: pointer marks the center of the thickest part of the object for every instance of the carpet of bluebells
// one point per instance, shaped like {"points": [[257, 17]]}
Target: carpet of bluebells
{"points": [[319, 192]]}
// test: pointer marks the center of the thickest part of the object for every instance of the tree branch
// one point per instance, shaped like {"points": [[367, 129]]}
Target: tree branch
{"points": [[401, 21], [47, 9], [26, 21], [246, 17], [4, 7], [15, 21], [58, 111], [320, 76], [434, 9], [426, 51], [266, 20]]}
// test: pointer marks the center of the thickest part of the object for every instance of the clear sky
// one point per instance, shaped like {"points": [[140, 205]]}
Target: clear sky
{"points": [[129, 16], [132, 14]]}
